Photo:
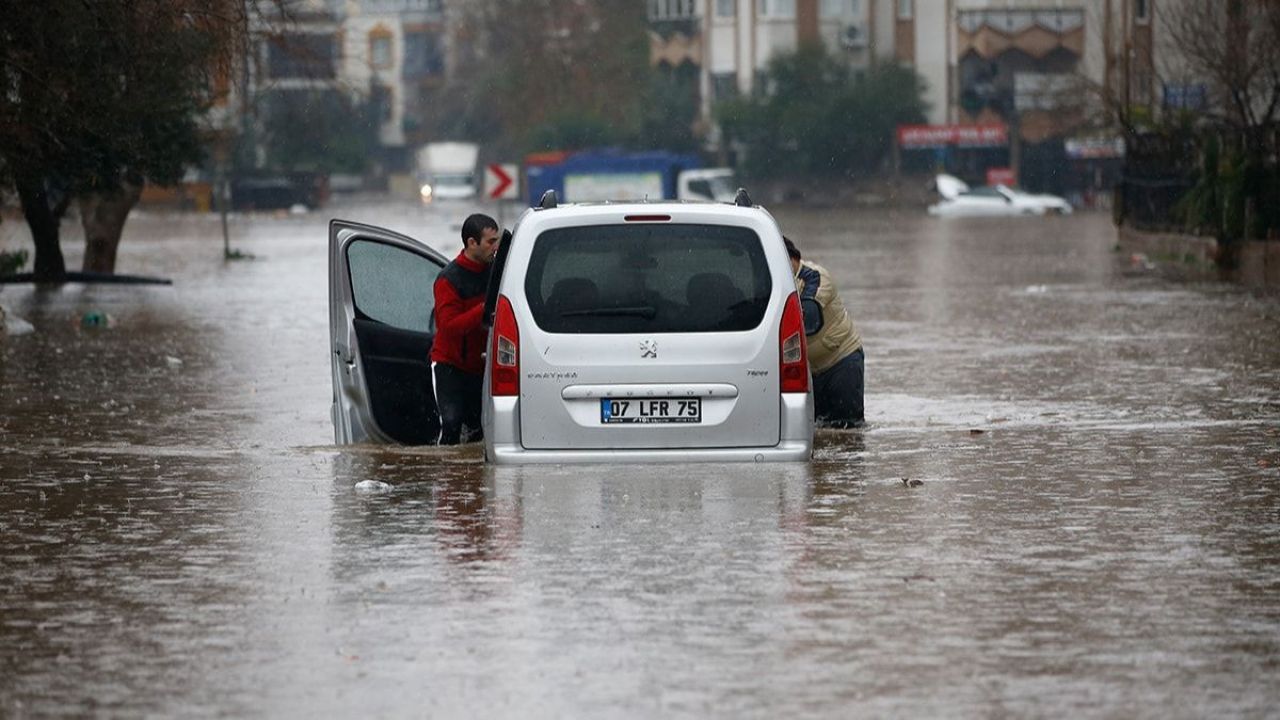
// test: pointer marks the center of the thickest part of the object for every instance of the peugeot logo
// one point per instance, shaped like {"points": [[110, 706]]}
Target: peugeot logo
{"points": [[648, 349]]}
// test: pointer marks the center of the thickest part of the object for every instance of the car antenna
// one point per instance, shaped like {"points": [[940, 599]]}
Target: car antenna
{"points": [[548, 200], [742, 199]]}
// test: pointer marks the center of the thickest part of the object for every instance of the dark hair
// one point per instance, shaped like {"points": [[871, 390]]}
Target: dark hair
{"points": [[792, 250], [475, 225]]}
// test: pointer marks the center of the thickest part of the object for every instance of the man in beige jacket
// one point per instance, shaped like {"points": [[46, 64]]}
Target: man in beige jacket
{"points": [[835, 346]]}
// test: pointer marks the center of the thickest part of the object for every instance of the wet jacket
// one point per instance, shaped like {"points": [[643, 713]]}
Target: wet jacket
{"points": [[832, 336], [460, 334]]}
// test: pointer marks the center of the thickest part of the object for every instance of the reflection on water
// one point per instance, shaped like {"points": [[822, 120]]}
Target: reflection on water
{"points": [[1091, 521]]}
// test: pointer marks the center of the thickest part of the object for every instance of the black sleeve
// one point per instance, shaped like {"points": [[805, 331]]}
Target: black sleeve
{"points": [[809, 306], [812, 312]]}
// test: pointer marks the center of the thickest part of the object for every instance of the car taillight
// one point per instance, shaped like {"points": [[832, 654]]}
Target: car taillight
{"points": [[793, 350], [504, 356]]}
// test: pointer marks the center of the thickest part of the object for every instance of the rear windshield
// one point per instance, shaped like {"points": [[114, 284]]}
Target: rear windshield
{"points": [[648, 279]]}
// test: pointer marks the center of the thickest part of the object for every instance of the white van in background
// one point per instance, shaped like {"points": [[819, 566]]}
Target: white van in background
{"points": [[447, 170]]}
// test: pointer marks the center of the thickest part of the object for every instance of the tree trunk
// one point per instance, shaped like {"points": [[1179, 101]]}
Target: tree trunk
{"points": [[43, 219], [103, 216]]}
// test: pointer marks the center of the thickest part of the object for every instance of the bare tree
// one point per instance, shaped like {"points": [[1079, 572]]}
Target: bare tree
{"points": [[538, 60], [1233, 46]]}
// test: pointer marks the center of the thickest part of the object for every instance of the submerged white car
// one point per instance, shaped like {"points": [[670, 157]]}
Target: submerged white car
{"points": [[959, 200], [628, 332]]}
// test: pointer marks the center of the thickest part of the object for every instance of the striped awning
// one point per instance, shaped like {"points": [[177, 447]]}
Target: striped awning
{"points": [[1034, 32]]}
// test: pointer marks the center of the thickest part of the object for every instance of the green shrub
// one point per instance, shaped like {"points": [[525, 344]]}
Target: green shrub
{"points": [[817, 117], [12, 262]]}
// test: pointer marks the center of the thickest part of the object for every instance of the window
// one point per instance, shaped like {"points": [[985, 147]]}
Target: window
{"points": [[301, 56], [648, 279], [726, 8], [724, 86], [1142, 11], [784, 9], [673, 9], [380, 49], [905, 10], [391, 285], [834, 9], [383, 100], [423, 56]]}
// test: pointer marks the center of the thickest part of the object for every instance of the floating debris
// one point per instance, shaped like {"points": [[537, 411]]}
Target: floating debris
{"points": [[96, 319], [11, 324]]}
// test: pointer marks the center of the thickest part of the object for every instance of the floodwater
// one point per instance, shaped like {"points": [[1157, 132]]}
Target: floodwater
{"points": [[1097, 530]]}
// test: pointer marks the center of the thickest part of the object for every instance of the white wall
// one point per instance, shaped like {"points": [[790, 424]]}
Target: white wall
{"points": [[932, 62], [358, 71]]}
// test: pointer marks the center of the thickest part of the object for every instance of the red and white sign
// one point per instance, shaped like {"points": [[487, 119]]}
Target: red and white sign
{"points": [[500, 181], [1001, 176], [916, 137]]}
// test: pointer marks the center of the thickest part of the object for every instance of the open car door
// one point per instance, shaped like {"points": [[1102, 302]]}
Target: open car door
{"points": [[381, 325]]}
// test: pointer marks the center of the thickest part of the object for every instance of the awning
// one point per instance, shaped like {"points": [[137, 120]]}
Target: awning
{"points": [[1034, 32]]}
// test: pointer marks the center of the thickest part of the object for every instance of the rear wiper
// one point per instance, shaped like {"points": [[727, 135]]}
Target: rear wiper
{"points": [[648, 312]]}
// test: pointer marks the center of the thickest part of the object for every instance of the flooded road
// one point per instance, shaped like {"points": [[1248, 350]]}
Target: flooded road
{"points": [[1097, 531]]}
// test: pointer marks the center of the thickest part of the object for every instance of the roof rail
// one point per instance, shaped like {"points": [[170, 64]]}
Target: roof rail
{"points": [[548, 200], [742, 199]]}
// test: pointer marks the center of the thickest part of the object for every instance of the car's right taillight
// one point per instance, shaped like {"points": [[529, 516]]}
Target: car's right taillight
{"points": [[793, 350], [504, 356]]}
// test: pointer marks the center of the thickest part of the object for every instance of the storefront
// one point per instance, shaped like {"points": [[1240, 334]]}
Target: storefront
{"points": [[966, 151]]}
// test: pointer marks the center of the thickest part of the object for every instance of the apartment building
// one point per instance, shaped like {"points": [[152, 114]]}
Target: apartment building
{"points": [[394, 54], [1035, 75], [729, 43]]}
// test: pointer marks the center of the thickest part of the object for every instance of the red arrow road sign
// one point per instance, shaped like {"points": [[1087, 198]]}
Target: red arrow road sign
{"points": [[499, 181]]}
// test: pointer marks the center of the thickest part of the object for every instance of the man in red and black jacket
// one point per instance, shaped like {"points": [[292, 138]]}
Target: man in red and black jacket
{"points": [[457, 354]]}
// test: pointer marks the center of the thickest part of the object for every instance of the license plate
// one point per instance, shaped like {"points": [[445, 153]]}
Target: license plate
{"points": [[651, 410]]}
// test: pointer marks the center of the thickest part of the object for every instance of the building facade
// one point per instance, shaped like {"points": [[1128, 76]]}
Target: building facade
{"points": [[1046, 71], [390, 55]]}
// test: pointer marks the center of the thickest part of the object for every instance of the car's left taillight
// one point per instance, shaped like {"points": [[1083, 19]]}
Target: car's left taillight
{"points": [[504, 356], [793, 349]]}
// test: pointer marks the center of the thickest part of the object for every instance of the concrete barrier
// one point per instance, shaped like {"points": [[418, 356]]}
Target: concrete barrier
{"points": [[1259, 264], [1172, 254], [1194, 257]]}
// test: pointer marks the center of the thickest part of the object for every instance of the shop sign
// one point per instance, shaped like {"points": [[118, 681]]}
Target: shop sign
{"points": [[917, 137], [1179, 96], [1094, 148], [1001, 176]]}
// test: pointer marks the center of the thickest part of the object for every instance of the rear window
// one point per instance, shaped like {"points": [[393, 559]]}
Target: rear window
{"points": [[648, 279]]}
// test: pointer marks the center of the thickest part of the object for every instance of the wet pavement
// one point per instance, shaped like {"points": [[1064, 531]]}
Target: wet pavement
{"points": [[1097, 530]]}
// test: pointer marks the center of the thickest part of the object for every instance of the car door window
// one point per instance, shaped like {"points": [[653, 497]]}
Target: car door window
{"points": [[392, 285]]}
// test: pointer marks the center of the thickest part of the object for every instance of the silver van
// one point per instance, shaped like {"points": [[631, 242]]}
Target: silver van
{"points": [[645, 332]]}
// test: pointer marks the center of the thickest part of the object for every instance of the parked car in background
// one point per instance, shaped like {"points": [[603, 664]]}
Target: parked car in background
{"points": [[645, 332], [959, 200]]}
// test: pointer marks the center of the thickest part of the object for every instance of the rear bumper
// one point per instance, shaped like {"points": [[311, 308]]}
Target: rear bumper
{"points": [[789, 451], [502, 441]]}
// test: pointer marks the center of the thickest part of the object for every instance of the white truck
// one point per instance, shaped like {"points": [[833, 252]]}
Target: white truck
{"points": [[712, 184], [717, 183], [447, 170]]}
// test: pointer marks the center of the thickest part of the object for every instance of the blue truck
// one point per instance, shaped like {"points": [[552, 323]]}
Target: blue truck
{"points": [[590, 176]]}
